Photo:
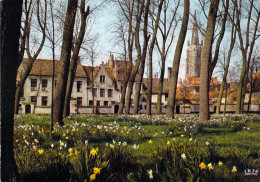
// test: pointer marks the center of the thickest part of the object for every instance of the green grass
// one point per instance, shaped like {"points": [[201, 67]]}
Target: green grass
{"points": [[231, 139]]}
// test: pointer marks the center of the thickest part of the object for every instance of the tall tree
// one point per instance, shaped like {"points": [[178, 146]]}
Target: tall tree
{"points": [[247, 40], [141, 53], [176, 61], [10, 21], [26, 64], [224, 79], [205, 61], [151, 47], [167, 29], [64, 62], [139, 9], [126, 37], [74, 59]]}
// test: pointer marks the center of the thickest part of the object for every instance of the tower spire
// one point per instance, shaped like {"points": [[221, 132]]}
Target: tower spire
{"points": [[195, 34]]}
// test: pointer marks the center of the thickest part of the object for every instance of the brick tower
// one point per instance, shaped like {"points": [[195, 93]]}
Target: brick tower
{"points": [[194, 53]]}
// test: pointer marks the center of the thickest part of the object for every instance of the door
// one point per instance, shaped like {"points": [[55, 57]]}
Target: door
{"points": [[116, 109], [177, 109], [27, 109]]}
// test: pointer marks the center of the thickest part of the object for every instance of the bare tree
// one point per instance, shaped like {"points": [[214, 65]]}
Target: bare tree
{"points": [[64, 62], [167, 29], [141, 53], [139, 9], [224, 79], [74, 59], [26, 65], [176, 61], [247, 40], [10, 21], [205, 61], [151, 47]]}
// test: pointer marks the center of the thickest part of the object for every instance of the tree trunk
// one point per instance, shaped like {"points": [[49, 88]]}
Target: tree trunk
{"points": [[137, 63], [27, 64], [64, 62], [149, 95], [10, 21], [176, 61], [142, 55], [74, 59], [233, 40], [160, 89], [205, 60]]}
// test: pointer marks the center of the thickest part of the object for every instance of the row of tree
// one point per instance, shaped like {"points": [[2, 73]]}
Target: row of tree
{"points": [[142, 26]]}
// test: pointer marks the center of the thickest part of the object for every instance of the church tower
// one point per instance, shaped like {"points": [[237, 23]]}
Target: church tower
{"points": [[194, 52]]}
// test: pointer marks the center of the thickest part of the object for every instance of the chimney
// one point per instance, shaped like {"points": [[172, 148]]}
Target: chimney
{"points": [[169, 72]]}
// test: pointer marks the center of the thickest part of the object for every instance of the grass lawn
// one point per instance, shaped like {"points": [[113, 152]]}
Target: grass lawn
{"points": [[143, 148]]}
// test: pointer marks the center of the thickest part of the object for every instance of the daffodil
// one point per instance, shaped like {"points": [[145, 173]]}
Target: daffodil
{"points": [[93, 152], [190, 139], [168, 143], [183, 156], [70, 150], [207, 143], [92, 177], [234, 169], [40, 152], [150, 141], [220, 163], [24, 136], [17, 141], [59, 154], [182, 135], [67, 138], [96, 170], [202, 165], [62, 144], [210, 166], [150, 173]]}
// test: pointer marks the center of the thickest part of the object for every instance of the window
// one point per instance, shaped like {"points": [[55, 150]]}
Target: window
{"points": [[102, 79], [90, 102], [102, 92], [79, 101], [33, 84], [88, 82], [166, 97], [44, 101], [98, 102], [140, 107], [94, 92], [44, 84], [234, 98], [79, 86], [110, 92], [34, 99], [105, 103]]}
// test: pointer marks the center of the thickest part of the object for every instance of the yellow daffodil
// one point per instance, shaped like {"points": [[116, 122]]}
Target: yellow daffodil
{"points": [[40, 152], [24, 136], [182, 135], [220, 163], [67, 138], [155, 152], [114, 131], [76, 152], [64, 134], [122, 131], [150, 141], [202, 165], [93, 152], [210, 166], [62, 144], [150, 173], [168, 143], [70, 150], [96, 170], [190, 139], [234, 169], [17, 141], [70, 154], [97, 149], [59, 154], [92, 177]]}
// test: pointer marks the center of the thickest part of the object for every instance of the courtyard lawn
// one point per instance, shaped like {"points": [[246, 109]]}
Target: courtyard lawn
{"points": [[137, 148]]}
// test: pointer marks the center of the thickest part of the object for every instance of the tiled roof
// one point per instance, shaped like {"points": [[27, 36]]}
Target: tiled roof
{"points": [[155, 85], [43, 67], [196, 80]]}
